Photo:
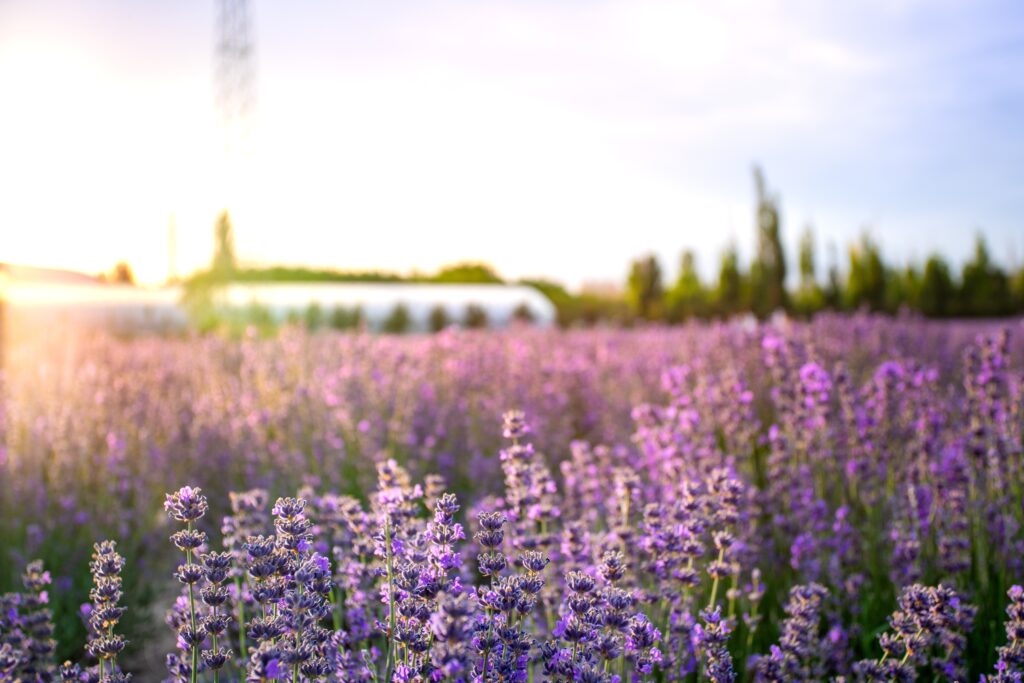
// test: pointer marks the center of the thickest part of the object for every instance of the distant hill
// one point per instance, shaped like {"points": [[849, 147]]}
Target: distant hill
{"points": [[46, 275], [462, 273]]}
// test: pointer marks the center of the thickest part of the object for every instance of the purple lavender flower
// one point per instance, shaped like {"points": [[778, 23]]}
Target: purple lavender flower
{"points": [[1010, 667], [929, 620], [248, 518], [529, 487], [304, 605], [515, 426], [711, 639], [36, 620], [105, 645], [266, 564], [641, 644], [800, 654], [187, 505], [216, 567]]}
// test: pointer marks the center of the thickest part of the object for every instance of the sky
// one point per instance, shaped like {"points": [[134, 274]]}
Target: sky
{"points": [[547, 137]]}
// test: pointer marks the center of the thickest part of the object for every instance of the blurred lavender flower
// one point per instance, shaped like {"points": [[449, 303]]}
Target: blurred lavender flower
{"points": [[1010, 667], [801, 651], [37, 624]]}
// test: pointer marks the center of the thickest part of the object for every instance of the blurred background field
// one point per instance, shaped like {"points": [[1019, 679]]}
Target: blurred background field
{"points": [[97, 428]]}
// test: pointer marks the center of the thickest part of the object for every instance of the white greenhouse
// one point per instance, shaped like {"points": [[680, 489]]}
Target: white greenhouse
{"points": [[41, 297], [377, 302]]}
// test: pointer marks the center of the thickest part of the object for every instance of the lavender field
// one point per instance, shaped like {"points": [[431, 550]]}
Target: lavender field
{"points": [[838, 500]]}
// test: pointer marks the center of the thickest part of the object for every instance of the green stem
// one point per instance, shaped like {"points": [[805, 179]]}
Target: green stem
{"points": [[714, 584], [732, 599], [241, 619], [391, 597], [113, 659], [336, 612], [192, 615], [490, 626], [753, 620], [216, 672], [298, 638], [487, 652], [666, 611], [906, 655]]}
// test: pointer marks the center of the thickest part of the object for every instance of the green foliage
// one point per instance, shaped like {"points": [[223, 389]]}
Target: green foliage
{"points": [[203, 289], [594, 309], [687, 298], [1017, 290], [583, 310], [866, 278], [471, 273], [904, 289], [343, 318], [832, 294], [475, 318], [808, 297], [768, 271], [468, 273], [645, 291], [258, 316], [565, 303], [984, 287], [314, 317], [729, 296], [438, 319], [224, 262], [398, 321], [198, 302], [523, 314], [937, 288], [277, 274]]}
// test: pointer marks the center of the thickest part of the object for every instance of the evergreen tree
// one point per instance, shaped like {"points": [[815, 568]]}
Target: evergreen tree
{"points": [[833, 292], [729, 294], [342, 318], [1017, 290], [984, 287], [314, 317], [866, 281], [224, 263], [438, 319], [399, 321], [768, 271], [687, 298], [476, 317], [809, 297], [937, 288], [523, 313], [644, 288], [904, 290]]}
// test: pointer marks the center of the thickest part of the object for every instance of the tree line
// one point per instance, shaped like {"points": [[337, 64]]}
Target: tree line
{"points": [[982, 288]]}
